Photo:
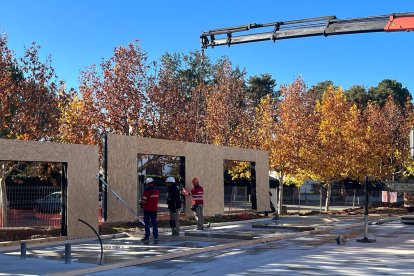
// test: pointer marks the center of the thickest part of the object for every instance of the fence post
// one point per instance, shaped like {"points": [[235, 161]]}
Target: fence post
{"points": [[245, 199], [68, 253], [320, 200], [23, 250], [353, 200]]}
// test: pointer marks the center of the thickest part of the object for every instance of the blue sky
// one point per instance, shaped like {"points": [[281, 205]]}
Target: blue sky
{"points": [[80, 33]]}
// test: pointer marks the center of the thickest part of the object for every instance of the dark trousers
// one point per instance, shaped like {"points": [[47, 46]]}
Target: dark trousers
{"points": [[150, 217]]}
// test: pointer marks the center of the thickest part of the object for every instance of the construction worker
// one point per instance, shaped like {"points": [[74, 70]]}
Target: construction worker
{"points": [[149, 202], [174, 205], [197, 194]]}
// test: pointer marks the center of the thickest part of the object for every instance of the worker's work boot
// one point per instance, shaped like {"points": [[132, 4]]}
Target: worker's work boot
{"points": [[145, 240]]}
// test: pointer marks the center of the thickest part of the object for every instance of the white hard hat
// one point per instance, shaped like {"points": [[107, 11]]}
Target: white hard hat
{"points": [[170, 179], [149, 180]]}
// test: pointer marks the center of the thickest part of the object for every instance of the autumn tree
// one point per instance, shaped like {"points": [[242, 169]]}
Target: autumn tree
{"points": [[379, 142], [263, 132], [7, 103], [77, 123], [330, 162], [226, 105], [395, 125], [29, 103], [177, 100], [29, 106], [115, 93], [408, 161], [256, 131], [9, 78], [288, 153]]}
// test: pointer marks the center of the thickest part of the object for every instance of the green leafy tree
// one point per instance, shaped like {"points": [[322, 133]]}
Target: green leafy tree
{"points": [[387, 88], [320, 88], [259, 87], [358, 94]]}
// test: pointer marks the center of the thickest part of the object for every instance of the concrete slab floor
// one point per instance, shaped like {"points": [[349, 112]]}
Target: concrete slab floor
{"points": [[390, 255], [122, 249], [118, 250]]}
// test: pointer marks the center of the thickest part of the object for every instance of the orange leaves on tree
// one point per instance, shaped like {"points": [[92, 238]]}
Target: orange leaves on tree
{"points": [[29, 103], [117, 91], [176, 99], [226, 105], [333, 114], [291, 138]]}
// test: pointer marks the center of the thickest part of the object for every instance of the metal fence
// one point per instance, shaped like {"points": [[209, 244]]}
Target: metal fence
{"points": [[29, 206], [339, 197], [236, 199]]}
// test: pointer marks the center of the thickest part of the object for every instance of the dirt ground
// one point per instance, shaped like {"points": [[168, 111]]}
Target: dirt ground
{"points": [[27, 233]]}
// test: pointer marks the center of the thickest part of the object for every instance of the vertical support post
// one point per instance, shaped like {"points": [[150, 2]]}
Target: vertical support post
{"points": [[64, 201], [245, 199], [105, 176], [23, 250], [68, 253], [181, 172], [253, 184]]}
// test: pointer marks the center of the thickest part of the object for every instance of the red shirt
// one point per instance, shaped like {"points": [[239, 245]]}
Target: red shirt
{"points": [[197, 193], [150, 199]]}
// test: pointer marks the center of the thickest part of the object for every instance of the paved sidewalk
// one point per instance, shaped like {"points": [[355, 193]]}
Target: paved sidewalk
{"points": [[251, 258]]}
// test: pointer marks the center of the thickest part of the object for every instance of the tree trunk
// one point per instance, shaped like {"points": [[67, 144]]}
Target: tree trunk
{"points": [[328, 196], [3, 199], [5, 171], [280, 202]]}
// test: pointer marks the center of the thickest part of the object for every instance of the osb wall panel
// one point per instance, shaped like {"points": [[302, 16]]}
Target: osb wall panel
{"points": [[122, 176], [202, 161], [82, 184]]}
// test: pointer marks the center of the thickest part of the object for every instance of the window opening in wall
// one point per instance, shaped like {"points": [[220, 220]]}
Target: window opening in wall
{"points": [[239, 186], [33, 198], [159, 167]]}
